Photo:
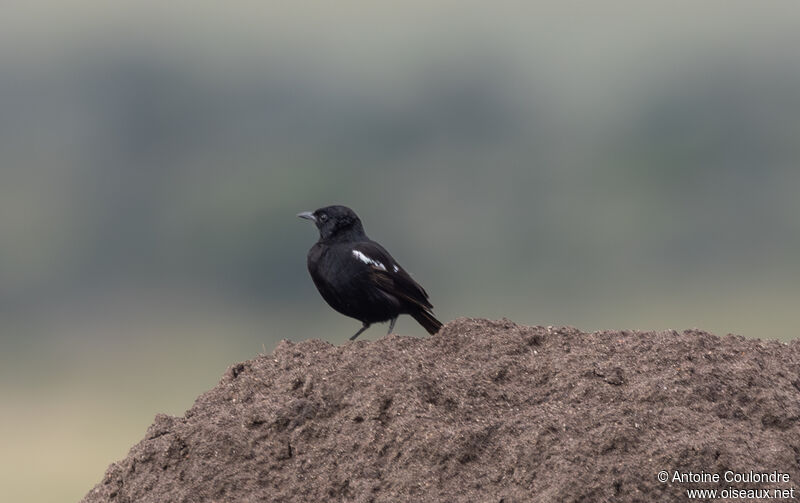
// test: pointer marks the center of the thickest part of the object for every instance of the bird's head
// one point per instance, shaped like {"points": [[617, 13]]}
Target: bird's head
{"points": [[335, 222]]}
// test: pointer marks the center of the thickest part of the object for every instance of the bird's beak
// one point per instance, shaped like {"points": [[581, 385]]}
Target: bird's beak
{"points": [[307, 215]]}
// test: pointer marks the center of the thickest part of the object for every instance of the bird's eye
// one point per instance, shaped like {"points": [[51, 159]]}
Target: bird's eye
{"points": [[323, 218]]}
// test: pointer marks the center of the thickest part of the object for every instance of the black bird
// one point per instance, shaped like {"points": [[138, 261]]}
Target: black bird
{"points": [[357, 277]]}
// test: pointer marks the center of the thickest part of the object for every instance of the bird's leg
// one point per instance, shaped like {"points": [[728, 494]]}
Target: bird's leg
{"points": [[366, 326], [391, 325]]}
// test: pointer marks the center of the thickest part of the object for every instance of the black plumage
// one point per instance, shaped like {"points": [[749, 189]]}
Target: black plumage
{"points": [[358, 277]]}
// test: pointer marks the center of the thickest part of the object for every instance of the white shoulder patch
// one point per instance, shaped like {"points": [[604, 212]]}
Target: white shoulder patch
{"points": [[395, 268], [360, 256]]}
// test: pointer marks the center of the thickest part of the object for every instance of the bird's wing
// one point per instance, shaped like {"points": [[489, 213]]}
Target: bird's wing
{"points": [[386, 274]]}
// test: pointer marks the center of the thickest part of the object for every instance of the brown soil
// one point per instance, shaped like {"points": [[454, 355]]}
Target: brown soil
{"points": [[482, 411]]}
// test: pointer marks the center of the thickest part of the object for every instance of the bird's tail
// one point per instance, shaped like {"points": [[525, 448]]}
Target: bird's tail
{"points": [[427, 320]]}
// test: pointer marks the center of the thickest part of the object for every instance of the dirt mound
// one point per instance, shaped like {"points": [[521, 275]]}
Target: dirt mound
{"points": [[482, 411]]}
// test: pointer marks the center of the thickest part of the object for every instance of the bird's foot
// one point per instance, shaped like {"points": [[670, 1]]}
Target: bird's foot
{"points": [[360, 331]]}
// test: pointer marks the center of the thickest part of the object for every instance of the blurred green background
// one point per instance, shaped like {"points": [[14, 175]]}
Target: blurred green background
{"points": [[603, 165]]}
